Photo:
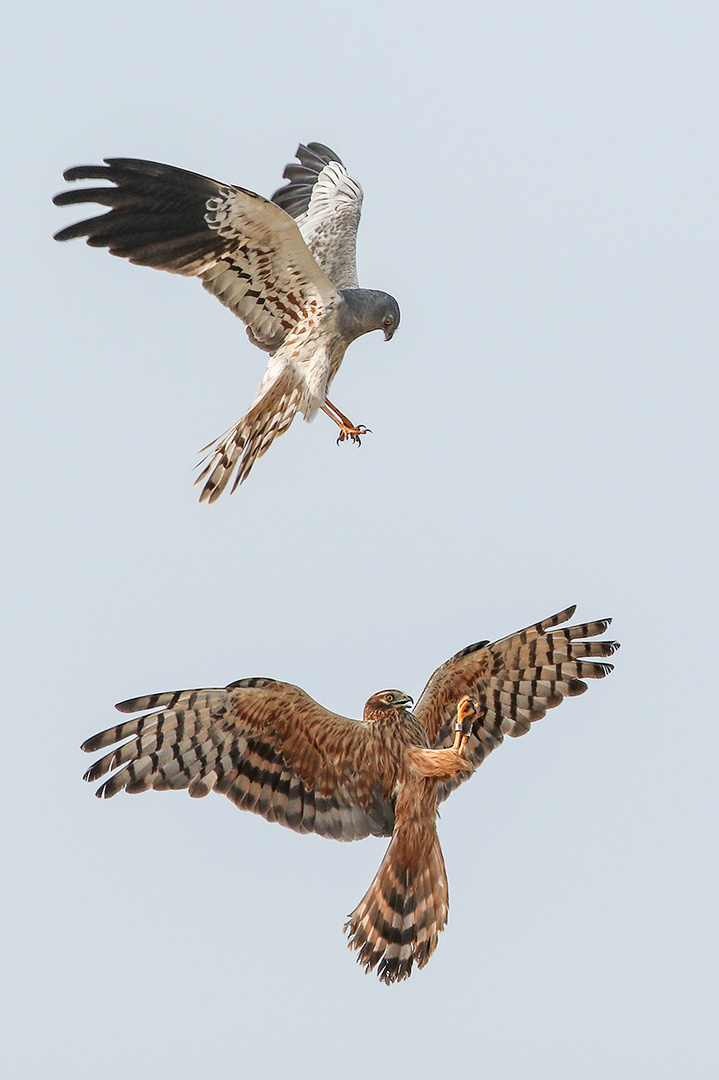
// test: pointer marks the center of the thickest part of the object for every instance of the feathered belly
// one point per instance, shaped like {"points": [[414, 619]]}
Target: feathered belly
{"points": [[316, 372]]}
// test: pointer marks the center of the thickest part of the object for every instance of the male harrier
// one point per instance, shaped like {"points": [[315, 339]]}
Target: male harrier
{"points": [[273, 750], [285, 267]]}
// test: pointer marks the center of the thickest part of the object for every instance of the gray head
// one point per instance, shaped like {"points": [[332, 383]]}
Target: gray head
{"points": [[367, 309]]}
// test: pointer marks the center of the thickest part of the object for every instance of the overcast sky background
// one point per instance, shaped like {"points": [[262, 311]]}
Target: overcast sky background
{"points": [[540, 182]]}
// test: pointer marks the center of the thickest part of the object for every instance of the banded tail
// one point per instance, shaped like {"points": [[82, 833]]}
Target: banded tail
{"points": [[242, 445], [398, 921]]}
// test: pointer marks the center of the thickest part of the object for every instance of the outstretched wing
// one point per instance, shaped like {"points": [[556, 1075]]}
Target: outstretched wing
{"points": [[326, 203], [247, 251], [265, 744], [514, 680]]}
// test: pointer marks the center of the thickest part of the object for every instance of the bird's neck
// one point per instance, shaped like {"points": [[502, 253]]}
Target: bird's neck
{"points": [[357, 313], [398, 725]]}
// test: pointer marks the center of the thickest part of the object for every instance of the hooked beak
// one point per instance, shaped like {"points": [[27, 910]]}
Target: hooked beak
{"points": [[389, 333], [406, 701]]}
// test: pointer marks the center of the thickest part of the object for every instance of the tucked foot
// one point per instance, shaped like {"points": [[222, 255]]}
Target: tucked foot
{"points": [[352, 433], [467, 713]]}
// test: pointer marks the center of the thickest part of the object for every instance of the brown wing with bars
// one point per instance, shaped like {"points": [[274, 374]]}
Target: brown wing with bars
{"points": [[265, 744], [514, 680]]}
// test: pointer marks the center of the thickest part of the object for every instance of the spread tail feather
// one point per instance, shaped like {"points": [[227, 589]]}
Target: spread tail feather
{"points": [[402, 913], [242, 445]]}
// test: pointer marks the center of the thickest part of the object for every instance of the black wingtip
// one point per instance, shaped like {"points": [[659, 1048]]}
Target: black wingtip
{"points": [[71, 232], [319, 150]]}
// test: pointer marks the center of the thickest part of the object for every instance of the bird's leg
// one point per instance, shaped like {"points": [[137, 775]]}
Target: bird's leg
{"points": [[467, 713], [448, 762], [347, 429]]}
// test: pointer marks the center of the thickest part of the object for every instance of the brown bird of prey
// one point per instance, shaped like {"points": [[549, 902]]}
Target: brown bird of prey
{"points": [[273, 750], [286, 267]]}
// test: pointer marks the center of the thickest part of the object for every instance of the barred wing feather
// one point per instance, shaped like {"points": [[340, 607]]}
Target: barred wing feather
{"points": [[514, 680], [247, 251], [264, 744]]}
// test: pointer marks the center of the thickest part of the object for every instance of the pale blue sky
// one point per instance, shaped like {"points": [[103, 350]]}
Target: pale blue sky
{"points": [[540, 196]]}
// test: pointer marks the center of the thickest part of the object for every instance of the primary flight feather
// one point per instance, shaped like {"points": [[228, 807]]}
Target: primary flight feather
{"points": [[285, 266]]}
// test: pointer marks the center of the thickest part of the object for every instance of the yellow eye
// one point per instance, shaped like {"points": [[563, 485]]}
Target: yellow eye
{"points": [[387, 321]]}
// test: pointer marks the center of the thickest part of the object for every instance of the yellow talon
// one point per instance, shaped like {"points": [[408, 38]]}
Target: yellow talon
{"points": [[467, 712]]}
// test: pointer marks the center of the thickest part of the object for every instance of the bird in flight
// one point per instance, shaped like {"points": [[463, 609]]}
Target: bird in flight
{"points": [[271, 749], [285, 266]]}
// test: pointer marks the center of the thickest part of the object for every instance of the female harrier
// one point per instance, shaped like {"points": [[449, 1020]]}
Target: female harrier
{"points": [[285, 267], [273, 750]]}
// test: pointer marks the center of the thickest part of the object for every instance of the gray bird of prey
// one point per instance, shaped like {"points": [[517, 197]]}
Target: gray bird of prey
{"points": [[286, 267]]}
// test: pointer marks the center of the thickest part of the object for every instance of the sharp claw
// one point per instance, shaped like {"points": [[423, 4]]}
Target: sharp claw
{"points": [[353, 434], [467, 712]]}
